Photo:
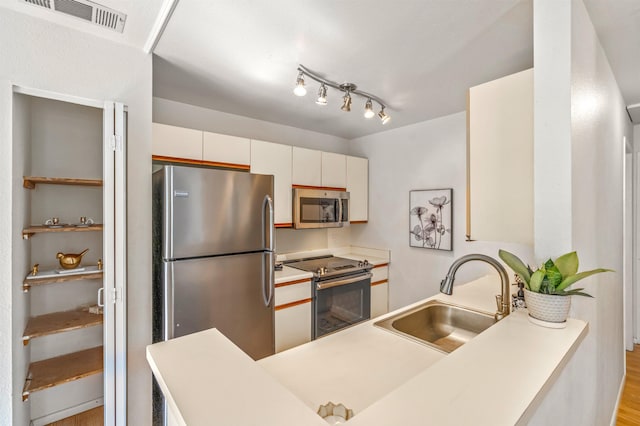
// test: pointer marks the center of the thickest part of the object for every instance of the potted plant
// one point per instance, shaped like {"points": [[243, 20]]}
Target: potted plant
{"points": [[547, 292]]}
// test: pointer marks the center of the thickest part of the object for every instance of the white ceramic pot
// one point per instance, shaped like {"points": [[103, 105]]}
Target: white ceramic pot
{"points": [[547, 307]]}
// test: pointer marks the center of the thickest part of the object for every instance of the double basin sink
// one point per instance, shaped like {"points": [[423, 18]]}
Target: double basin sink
{"points": [[442, 326]]}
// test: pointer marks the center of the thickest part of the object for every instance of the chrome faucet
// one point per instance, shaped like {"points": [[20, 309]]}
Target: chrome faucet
{"points": [[446, 286]]}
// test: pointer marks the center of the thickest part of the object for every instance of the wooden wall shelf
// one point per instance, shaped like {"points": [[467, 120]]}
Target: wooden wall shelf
{"points": [[30, 182], [58, 322], [40, 229], [62, 369], [27, 284]]}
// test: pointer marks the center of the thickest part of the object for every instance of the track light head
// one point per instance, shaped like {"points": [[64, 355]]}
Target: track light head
{"points": [[368, 109], [346, 102], [300, 90], [322, 95], [383, 116]]}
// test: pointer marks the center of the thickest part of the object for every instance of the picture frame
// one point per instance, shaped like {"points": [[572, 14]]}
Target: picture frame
{"points": [[431, 219]]}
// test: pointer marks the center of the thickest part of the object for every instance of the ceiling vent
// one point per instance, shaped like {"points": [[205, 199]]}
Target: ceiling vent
{"points": [[85, 10]]}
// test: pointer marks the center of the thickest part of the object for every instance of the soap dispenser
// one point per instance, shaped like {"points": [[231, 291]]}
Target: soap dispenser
{"points": [[517, 300]]}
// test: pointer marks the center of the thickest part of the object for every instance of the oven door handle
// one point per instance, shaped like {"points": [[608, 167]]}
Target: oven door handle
{"points": [[342, 281]]}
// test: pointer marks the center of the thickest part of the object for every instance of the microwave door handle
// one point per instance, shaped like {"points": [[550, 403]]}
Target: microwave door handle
{"points": [[339, 221]]}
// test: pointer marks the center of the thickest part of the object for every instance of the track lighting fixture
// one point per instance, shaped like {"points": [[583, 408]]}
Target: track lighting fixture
{"points": [[300, 90], [322, 95], [368, 109], [348, 89], [384, 118]]}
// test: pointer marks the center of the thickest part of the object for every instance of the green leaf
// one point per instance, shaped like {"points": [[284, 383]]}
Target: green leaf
{"points": [[554, 276], [549, 264], [575, 292], [577, 277], [568, 264], [536, 280], [516, 264]]}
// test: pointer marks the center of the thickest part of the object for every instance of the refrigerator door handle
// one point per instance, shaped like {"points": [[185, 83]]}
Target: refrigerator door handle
{"points": [[268, 282], [168, 325], [267, 205]]}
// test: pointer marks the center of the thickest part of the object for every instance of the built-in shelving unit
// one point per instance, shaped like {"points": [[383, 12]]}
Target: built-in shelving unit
{"points": [[62, 369], [59, 322], [30, 182]]}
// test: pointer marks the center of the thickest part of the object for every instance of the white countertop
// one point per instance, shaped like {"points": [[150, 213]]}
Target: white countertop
{"points": [[495, 379]]}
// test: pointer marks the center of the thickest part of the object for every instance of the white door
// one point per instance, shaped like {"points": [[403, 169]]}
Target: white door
{"points": [[114, 253]]}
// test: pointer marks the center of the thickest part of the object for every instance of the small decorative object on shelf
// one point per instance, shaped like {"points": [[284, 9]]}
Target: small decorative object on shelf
{"points": [[99, 264], [34, 270], [546, 292], [70, 260]]}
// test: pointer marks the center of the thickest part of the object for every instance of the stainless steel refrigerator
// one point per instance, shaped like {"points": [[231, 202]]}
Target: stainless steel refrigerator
{"points": [[214, 257]]}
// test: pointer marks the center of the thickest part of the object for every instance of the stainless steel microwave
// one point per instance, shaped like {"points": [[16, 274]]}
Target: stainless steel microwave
{"points": [[319, 208]]}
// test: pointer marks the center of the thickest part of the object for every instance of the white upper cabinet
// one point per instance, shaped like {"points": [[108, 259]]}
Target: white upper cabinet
{"points": [[358, 187], [229, 150], [500, 168], [334, 170], [275, 159], [177, 142], [307, 166]]}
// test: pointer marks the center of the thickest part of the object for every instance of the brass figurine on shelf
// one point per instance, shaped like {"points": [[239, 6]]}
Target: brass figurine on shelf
{"points": [[70, 260], [99, 264], [34, 270]]}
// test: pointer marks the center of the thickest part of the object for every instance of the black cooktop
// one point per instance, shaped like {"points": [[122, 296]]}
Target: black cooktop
{"points": [[330, 266]]}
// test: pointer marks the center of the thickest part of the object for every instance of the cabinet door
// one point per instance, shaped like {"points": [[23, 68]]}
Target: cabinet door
{"points": [[379, 299], [379, 291], [176, 142], [229, 150], [293, 326], [500, 160], [358, 187], [334, 170], [307, 167], [274, 159]]}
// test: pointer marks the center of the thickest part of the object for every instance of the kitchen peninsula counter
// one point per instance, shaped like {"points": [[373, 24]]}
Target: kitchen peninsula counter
{"points": [[495, 379]]}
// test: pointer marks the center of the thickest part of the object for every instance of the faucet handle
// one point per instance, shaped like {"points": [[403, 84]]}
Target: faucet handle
{"points": [[499, 302]]}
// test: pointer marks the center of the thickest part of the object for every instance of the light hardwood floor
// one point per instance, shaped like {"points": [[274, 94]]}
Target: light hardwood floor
{"points": [[93, 417], [629, 410]]}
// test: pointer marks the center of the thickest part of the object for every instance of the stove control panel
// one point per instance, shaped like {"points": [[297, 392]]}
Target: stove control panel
{"points": [[363, 263]]}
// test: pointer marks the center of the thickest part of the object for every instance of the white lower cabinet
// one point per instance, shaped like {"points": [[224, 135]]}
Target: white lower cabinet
{"points": [[293, 314], [379, 291]]}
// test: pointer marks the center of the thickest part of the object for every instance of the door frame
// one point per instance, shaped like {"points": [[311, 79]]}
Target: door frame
{"points": [[114, 248]]}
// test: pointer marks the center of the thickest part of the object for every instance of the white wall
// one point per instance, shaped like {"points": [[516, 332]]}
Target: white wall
{"points": [[431, 154], [590, 147], [194, 117], [42, 55]]}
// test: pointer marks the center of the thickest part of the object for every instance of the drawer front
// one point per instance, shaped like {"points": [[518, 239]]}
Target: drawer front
{"points": [[292, 293], [380, 274]]}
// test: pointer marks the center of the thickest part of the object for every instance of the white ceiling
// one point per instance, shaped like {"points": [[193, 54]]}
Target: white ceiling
{"points": [[240, 56], [141, 15], [419, 56]]}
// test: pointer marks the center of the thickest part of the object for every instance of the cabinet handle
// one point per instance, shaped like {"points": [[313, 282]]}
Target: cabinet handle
{"points": [[100, 301]]}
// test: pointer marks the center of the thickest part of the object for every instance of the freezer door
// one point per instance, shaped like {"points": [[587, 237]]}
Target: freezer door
{"points": [[210, 212], [231, 293]]}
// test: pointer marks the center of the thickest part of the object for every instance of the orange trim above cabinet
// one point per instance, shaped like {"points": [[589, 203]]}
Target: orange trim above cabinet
{"points": [[355, 222], [302, 280], [292, 304], [326, 188], [283, 225], [243, 167], [382, 265], [379, 282]]}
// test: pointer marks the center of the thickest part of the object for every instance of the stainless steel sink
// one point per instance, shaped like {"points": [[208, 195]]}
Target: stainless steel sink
{"points": [[440, 325]]}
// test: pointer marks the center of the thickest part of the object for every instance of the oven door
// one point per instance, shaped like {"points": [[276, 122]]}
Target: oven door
{"points": [[317, 208], [341, 302]]}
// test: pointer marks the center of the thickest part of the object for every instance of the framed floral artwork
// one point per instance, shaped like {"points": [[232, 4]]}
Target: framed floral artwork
{"points": [[430, 219]]}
